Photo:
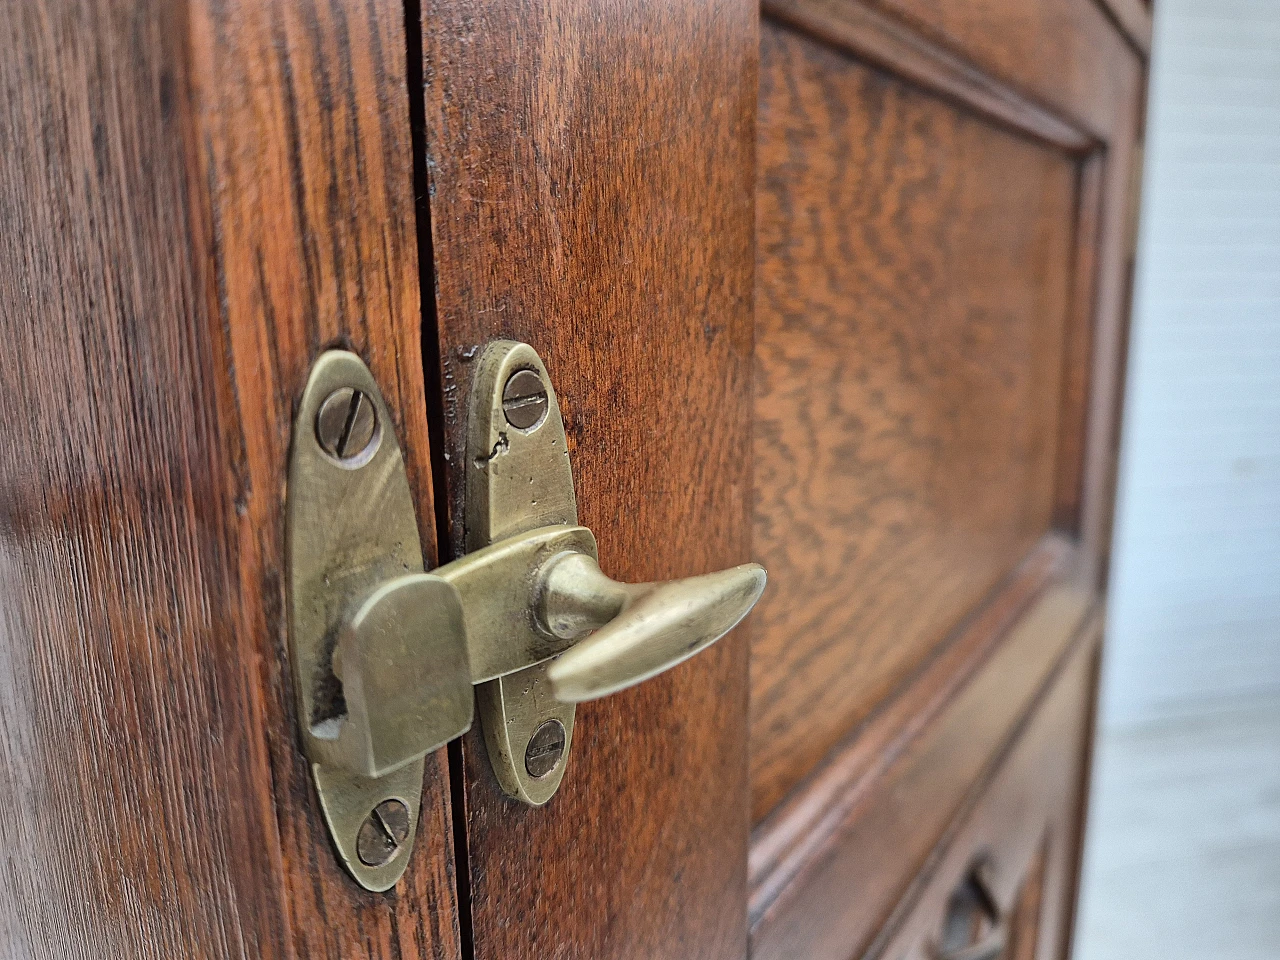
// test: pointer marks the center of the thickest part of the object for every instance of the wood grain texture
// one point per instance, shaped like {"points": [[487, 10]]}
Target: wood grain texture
{"points": [[837, 905], [591, 174], [910, 328], [1024, 823], [1069, 55], [306, 153], [803, 826], [200, 199], [886, 42]]}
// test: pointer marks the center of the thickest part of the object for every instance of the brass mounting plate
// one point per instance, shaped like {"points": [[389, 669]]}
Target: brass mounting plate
{"points": [[351, 527], [517, 480]]}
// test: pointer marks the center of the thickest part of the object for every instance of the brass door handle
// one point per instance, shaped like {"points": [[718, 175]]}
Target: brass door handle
{"points": [[640, 629], [385, 655]]}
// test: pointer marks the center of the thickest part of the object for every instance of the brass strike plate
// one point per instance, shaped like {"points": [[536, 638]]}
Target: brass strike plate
{"points": [[519, 479]]}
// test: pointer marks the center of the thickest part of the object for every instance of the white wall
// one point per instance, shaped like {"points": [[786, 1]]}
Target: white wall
{"points": [[1195, 610]]}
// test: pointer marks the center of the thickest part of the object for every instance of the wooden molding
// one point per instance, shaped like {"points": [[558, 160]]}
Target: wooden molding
{"points": [[834, 900], [1133, 17], [801, 827], [886, 42]]}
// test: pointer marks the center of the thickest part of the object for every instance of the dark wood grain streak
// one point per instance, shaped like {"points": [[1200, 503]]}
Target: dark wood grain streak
{"points": [[205, 197], [886, 42], [306, 150], [591, 177], [909, 352], [836, 906], [802, 826]]}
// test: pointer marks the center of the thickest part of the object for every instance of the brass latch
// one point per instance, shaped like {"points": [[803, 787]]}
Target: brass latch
{"points": [[385, 655]]}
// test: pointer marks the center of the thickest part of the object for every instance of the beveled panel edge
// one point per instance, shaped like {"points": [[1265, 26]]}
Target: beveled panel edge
{"points": [[805, 914], [1075, 670], [887, 43], [1079, 332], [798, 829], [1095, 631], [1134, 21]]}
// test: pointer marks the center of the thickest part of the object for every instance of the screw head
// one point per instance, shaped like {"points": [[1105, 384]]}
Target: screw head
{"points": [[524, 400], [347, 424], [545, 749], [383, 833]]}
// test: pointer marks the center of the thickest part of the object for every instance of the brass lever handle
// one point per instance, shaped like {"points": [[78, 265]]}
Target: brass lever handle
{"points": [[641, 629]]}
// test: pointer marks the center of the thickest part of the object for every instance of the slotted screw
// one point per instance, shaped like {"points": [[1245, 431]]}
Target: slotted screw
{"points": [[545, 749], [524, 400], [383, 833], [346, 424]]}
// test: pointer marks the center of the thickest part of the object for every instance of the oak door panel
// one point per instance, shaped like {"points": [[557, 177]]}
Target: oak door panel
{"points": [[913, 263], [1071, 56], [590, 174]]}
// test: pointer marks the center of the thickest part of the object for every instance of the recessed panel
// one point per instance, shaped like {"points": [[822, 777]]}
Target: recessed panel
{"points": [[912, 274]]}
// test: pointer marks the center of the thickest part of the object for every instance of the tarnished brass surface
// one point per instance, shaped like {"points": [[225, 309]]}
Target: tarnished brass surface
{"points": [[643, 628], [518, 480], [376, 646], [499, 586], [385, 655]]}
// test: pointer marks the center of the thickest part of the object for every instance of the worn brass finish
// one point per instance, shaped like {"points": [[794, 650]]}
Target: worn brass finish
{"points": [[385, 655], [518, 480], [643, 629], [499, 587], [376, 646], [512, 709]]}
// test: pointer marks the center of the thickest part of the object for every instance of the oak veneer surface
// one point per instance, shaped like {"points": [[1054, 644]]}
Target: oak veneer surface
{"points": [[197, 200], [590, 172], [1071, 55], [913, 267]]}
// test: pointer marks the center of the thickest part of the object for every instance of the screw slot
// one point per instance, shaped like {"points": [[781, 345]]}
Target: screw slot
{"points": [[347, 426], [545, 749], [524, 400], [383, 833]]}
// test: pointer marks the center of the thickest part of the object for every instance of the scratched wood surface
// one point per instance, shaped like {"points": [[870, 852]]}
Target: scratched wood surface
{"points": [[910, 325], [197, 200], [591, 181]]}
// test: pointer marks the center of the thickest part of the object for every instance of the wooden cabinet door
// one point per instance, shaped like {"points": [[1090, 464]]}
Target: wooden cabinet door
{"points": [[944, 194], [841, 290], [591, 193]]}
